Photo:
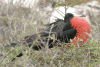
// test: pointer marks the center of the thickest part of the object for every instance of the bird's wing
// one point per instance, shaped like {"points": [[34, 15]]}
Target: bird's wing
{"points": [[57, 27], [70, 33], [67, 35]]}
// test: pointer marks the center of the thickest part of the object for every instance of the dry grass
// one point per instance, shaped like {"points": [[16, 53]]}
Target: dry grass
{"points": [[17, 22]]}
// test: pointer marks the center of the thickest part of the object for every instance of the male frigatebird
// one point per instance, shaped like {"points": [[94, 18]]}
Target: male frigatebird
{"points": [[62, 30], [71, 27]]}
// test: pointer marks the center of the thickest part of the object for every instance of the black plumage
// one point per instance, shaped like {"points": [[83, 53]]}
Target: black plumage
{"points": [[61, 29]]}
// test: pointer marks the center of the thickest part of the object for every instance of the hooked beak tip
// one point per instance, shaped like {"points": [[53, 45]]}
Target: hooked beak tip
{"points": [[83, 16]]}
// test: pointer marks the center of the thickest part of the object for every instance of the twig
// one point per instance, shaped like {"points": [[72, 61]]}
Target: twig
{"points": [[49, 34]]}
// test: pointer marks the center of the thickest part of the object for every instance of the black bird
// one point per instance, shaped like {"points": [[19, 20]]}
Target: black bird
{"points": [[61, 29], [64, 30]]}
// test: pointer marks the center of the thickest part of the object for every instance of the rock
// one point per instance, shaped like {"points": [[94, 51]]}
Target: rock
{"points": [[59, 12], [90, 9]]}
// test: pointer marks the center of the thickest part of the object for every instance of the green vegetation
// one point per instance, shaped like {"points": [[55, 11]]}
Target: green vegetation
{"points": [[71, 2], [17, 23]]}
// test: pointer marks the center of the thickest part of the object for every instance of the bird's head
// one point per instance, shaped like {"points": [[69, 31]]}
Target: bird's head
{"points": [[68, 16]]}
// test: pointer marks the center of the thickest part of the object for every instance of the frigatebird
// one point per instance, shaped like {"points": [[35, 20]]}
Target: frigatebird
{"points": [[62, 30], [70, 28]]}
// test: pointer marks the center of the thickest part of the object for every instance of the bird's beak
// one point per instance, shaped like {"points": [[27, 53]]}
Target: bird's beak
{"points": [[83, 16]]}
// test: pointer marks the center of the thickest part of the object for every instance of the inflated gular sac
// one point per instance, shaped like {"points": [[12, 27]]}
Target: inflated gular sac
{"points": [[82, 27]]}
